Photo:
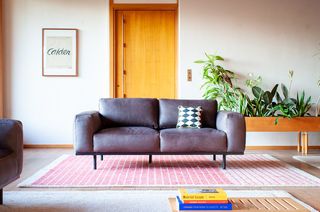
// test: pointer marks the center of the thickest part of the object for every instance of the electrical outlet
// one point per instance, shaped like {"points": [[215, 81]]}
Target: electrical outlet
{"points": [[189, 75]]}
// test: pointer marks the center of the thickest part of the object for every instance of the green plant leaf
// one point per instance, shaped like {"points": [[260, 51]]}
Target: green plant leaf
{"points": [[274, 90], [308, 100], [288, 102], [267, 97], [294, 100], [200, 61], [257, 91], [218, 84], [212, 58], [279, 100], [219, 58], [285, 91]]}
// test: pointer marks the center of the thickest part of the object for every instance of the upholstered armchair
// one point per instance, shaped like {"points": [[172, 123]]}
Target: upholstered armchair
{"points": [[11, 148]]}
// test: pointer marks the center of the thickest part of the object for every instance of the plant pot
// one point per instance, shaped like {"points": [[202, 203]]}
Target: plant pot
{"points": [[298, 124]]}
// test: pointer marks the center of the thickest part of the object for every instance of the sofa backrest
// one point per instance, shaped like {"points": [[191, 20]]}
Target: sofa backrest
{"points": [[130, 112], [168, 109]]}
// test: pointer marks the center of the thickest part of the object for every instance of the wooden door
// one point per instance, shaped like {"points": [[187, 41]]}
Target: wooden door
{"points": [[1, 62], [145, 54]]}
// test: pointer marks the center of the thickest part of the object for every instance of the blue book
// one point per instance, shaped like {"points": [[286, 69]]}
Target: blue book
{"points": [[183, 206]]}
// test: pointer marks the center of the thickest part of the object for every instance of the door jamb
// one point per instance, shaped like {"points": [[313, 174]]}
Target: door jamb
{"points": [[2, 89], [113, 8]]}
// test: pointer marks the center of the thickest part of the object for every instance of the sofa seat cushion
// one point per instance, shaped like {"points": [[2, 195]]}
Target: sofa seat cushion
{"points": [[193, 140], [127, 139], [4, 153]]}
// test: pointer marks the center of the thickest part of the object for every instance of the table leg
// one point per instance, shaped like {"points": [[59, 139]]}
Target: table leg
{"points": [[302, 142], [306, 143], [299, 142]]}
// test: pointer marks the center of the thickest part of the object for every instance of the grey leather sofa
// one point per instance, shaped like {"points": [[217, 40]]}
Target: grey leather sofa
{"points": [[11, 147], [148, 126]]}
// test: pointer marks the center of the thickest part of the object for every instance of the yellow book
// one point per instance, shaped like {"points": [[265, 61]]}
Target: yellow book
{"points": [[203, 194]]}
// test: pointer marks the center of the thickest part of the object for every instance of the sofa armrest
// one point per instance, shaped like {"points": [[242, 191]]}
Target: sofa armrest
{"points": [[11, 138], [86, 124], [233, 124]]}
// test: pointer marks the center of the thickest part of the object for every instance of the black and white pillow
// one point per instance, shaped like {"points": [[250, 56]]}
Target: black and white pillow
{"points": [[189, 117]]}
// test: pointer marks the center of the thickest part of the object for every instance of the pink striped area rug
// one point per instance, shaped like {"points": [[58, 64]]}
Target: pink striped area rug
{"points": [[169, 171]]}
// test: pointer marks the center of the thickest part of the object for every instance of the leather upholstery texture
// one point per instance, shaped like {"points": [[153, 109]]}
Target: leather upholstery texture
{"points": [[4, 153], [11, 147], [168, 114], [127, 139], [86, 125], [149, 126], [193, 140], [234, 125], [130, 112]]}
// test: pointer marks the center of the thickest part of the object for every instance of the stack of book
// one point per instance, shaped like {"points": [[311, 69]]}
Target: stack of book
{"points": [[203, 199]]}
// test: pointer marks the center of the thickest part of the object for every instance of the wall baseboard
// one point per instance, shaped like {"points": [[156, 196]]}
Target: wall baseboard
{"points": [[277, 147], [47, 146], [70, 146]]}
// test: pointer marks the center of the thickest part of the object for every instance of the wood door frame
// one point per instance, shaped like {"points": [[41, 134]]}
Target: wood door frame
{"points": [[113, 8], [1, 60]]}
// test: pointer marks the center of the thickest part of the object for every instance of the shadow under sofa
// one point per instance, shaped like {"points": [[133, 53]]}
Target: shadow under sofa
{"points": [[145, 126]]}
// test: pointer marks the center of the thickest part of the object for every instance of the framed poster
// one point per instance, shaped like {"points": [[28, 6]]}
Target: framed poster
{"points": [[59, 52]]}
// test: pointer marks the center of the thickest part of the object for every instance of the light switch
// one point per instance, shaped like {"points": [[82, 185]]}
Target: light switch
{"points": [[189, 75]]}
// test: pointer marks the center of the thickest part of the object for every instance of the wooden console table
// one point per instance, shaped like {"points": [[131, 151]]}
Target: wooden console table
{"points": [[301, 125], [283, 204]]}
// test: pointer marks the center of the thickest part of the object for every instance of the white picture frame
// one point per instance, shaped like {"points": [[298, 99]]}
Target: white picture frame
{"points": [[59, 52]]}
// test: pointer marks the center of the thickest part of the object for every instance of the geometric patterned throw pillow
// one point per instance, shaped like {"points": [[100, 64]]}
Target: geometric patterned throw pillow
{"points": [[189, 117]]}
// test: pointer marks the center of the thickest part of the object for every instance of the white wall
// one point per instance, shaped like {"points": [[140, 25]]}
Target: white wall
{"points": [[264, 37], [47, 106], [267, 38]]}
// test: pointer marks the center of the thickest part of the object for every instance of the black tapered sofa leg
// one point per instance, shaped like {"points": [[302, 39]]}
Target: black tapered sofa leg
{"points": [[224, 161], [101, 157], [150, 158], [214, 157], [94, 162], [1, 196]]}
